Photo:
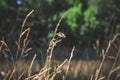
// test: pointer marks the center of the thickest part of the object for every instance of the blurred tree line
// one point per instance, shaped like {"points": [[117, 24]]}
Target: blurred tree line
{"points": [[85, 22]]}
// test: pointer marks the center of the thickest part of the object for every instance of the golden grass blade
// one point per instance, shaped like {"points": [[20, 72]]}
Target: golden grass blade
{"points": [[30, 68], [70, 60]]}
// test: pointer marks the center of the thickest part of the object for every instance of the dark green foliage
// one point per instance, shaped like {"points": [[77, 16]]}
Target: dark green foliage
{"points": [[85, 21]]}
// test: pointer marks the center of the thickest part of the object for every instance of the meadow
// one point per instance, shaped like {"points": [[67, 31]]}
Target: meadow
{"points": [[20, 67]]}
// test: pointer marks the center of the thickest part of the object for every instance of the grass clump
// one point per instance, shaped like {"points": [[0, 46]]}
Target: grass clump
{"points": [[17, 68], [47, 72]]}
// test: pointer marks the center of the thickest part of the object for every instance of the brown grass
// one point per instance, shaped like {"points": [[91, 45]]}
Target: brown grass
{"points": [[22, 49], [19, 69]]}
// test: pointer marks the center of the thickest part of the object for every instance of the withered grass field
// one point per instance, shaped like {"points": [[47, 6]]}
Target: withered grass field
{"points": [[16, 67], [78, 70]]}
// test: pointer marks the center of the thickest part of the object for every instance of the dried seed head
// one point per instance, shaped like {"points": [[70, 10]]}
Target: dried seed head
{"points": [[60, 34]]}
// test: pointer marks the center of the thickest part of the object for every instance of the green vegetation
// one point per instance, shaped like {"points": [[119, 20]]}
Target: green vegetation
{"points": [[82, 18]]}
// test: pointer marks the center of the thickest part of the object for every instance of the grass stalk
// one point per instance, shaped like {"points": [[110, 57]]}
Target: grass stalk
{"points": [[19, 47], [104, 54]]}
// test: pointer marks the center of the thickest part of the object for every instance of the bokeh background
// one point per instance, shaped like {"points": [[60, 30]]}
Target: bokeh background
{"points": [[87, 23]]}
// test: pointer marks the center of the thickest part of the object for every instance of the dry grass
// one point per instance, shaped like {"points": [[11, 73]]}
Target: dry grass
{"points": [[16, 68]]}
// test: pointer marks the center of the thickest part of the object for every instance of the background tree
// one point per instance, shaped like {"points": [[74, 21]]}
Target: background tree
{"points": [[84, 24]]}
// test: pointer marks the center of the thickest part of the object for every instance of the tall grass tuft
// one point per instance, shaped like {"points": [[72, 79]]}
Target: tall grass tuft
{"points": [[48, 72], [19, 69]]}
